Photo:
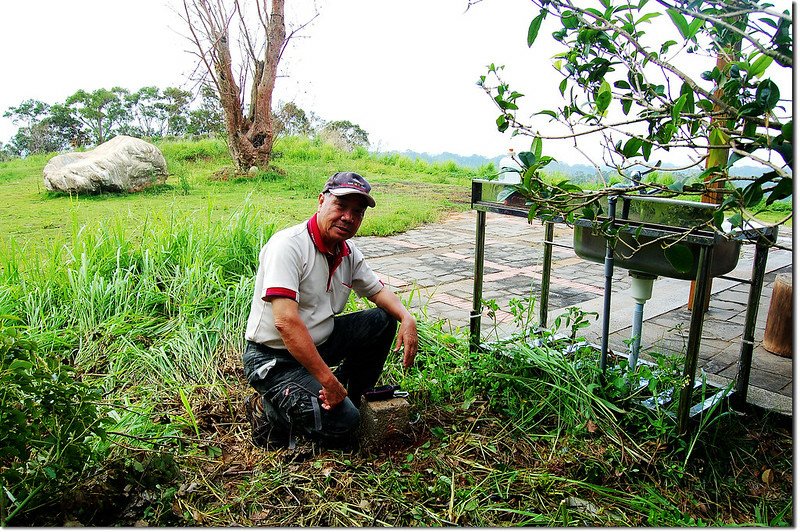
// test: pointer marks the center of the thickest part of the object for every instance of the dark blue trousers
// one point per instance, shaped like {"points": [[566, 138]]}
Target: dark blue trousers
{"points": [[358, 348]]}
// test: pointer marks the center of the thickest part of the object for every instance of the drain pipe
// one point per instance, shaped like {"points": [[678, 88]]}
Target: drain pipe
{"points": [[609, 274], [641, 290]]}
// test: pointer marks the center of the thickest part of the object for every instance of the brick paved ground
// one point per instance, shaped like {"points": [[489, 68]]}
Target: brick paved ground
{"points": [[432, 268]]}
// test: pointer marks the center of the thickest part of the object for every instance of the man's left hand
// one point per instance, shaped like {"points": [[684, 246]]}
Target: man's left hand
{"points": [[407, 335], [407, 339]]}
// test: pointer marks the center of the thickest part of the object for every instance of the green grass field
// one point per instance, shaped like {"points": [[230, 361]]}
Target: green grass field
{"points": [[407, 192]]}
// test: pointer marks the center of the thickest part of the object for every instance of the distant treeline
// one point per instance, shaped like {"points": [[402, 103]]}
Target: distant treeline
{"points": [[89, 118]]}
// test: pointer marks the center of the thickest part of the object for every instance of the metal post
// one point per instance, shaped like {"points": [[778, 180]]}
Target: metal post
{"points": [[748, 336], [695, 333], [544, 297], [609, 274], [477, 287]]}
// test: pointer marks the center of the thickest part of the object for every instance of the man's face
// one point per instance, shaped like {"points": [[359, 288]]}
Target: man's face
{"points": [[339, 217]]}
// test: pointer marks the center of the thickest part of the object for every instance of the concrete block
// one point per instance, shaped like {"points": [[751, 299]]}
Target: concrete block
{"points": [[383, 422]]}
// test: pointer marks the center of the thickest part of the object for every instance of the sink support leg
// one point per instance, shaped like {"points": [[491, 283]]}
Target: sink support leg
{"points": [[609, 274], [477, 287], [695, 333], [546, 265], [748, 336]]}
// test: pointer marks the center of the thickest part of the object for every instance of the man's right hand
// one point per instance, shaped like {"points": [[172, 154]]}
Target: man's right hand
{"points": [[298, 341], [332, 394]]}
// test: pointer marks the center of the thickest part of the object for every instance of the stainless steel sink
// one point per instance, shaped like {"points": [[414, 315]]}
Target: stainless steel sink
{"points": [[656, 218]]}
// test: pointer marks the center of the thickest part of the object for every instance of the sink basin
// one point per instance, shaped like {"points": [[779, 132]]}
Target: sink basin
{"points": [[658, 217]]}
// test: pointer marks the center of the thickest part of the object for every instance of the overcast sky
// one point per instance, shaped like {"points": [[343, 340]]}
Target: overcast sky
{"points": [[405, 71]]}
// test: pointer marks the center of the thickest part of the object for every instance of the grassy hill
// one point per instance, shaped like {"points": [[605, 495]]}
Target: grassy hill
{"points": [[201, 184]]}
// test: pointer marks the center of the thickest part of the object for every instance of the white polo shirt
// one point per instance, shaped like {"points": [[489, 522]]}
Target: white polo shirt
{"points": [[294, 263]]}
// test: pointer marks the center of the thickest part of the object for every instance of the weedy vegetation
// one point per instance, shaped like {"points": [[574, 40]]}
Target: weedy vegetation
{"points": [[122, 388]]}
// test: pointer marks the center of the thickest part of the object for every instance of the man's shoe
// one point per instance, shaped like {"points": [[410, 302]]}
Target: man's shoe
{"points": [[265, 433]]}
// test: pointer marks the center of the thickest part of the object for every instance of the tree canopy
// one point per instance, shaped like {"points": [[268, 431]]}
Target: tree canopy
{"points": [[626, 83]]}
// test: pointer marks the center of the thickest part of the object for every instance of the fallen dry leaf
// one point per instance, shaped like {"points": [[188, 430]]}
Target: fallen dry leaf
{"points": [[768, 477]]}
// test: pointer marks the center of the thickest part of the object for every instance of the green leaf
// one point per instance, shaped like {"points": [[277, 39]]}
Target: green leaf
{"points": [[502, 123], [631, 147], [647, 148], [680, 257], [647, 17], [536, 24], [706, 105], [787, 131], [677, 108], [20, 365], [527, 158], [694, 26], [719, 216], [781, 191], [680, 22], [548, 112], [686, 90], [752, 195], [569, 20], [536, 147], [665, 46], [626, 105], [767, 94], [717, 138], [759, 66], [603, 98]]}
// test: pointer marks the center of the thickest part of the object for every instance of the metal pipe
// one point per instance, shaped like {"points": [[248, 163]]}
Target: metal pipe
{"points": [[641, 291], [636, 334], [699, 302], [477, 287], [739, 397], [609, 274], [546, 265]]}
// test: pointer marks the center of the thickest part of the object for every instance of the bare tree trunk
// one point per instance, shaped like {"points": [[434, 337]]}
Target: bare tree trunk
{"points": [[235, 122], [261, 132], [251, 136]]}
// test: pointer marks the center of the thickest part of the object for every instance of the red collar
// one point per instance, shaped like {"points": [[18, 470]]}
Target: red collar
{"points": [[316, 238]]}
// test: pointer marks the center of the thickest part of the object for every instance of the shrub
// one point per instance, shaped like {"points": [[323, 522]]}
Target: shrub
{"points": [[49, 427]]}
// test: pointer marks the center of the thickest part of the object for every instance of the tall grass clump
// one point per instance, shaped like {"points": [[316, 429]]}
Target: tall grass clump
{"points": [[299, 148], [154, 307], [152, 321], [202, 149]]}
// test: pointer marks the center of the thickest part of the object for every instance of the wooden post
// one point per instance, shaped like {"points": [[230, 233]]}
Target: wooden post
{"points": [[779, 331], [718, 150]]}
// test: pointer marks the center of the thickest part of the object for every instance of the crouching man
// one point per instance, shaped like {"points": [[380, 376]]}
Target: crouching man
{"points": [[295, 335]]}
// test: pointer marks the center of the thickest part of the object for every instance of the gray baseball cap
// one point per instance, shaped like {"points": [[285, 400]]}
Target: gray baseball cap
{"points": [[343, 183]]}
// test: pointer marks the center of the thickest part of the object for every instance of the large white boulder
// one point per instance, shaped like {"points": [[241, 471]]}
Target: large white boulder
{"points": [[123, 164]]}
